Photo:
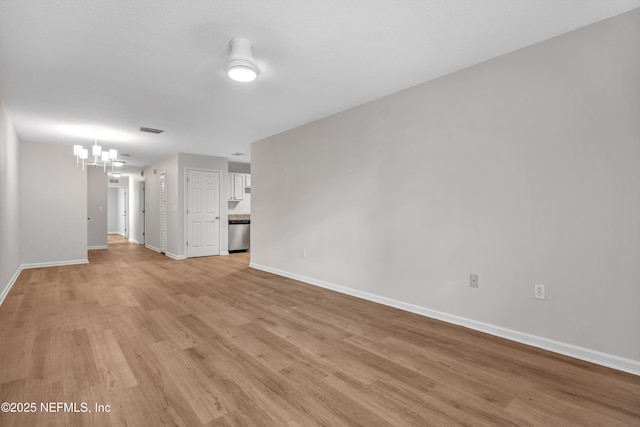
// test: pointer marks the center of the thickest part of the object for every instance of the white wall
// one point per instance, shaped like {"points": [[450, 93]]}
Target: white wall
{"points": [[136, 206], [524, 169], [9, 203], [112, 216], [53, 205], [97, 207]]}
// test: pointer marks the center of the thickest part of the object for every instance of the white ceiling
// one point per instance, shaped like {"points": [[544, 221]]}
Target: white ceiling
{"points": [[72, 68]]}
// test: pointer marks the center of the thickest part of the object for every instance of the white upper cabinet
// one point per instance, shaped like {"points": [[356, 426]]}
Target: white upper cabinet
{"points": [[237, 184]]}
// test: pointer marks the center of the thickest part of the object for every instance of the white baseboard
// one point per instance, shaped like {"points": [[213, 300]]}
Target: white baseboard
{"points": [[135, 241], [116, 232], [224, 253], [609, 360], [55, 263], [12, 281], [153, 248], [92, 248], [176, 257], [169, 254]]}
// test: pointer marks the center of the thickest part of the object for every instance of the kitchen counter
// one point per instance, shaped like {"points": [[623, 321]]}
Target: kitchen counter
{"points": [[239, 217]]}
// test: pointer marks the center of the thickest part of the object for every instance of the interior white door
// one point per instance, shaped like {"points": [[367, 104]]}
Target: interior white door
{"points": [[203, 213]]}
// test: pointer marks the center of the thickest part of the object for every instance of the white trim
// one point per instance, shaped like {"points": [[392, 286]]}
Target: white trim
{"points": [[153, 248], [55, 263], [12, 282], [166, 210], [224, 253], [609, 360], [98, 247], [169, 254], [116, 232], [176, 257], [134, 241]]}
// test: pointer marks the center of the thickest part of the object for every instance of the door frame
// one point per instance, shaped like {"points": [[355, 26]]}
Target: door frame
{"points": [[142, 203], [126, 212], [186, 206], [125, 231], [166, 212]]}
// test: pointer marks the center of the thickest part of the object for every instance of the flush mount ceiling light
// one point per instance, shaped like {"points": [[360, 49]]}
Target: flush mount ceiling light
{"points": [[241, 66]]}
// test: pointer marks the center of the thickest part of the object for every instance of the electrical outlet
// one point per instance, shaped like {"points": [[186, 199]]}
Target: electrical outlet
{"points": [[303, 252], [539, 291], [473, 280]]}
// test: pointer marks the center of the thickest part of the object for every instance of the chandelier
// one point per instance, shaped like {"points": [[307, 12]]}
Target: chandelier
{"points": [[101, 157]]}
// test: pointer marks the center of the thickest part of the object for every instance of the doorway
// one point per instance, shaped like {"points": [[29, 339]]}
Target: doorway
{"points": [[203, 212], [117, 211]]}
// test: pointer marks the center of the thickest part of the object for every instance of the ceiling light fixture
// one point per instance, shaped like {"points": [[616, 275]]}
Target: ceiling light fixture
{"points": [[101, 157], [241, 66]]}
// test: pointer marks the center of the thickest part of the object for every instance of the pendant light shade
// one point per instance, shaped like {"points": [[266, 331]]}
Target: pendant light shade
{"points": [[104, 158], [241, 66]]}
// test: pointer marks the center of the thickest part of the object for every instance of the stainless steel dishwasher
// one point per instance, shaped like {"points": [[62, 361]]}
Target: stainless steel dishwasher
{"points": [[239, 234]]}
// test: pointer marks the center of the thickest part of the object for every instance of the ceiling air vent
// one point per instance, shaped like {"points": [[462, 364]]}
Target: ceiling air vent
{"points": [[114, 181], [238, 154], [150, 130], [125, 155]]}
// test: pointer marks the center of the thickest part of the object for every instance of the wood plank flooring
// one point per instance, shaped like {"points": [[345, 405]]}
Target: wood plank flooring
{"points": [[211, 342]]}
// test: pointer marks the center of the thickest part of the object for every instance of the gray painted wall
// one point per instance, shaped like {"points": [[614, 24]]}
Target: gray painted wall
{"points": [[53, 205], [9, 202], [112, 214], [523, 169], [237, 167], [97, 207]]}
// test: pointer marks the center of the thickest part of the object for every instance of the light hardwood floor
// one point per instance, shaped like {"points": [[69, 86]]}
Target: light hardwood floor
{"points": [[212, 342]]}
